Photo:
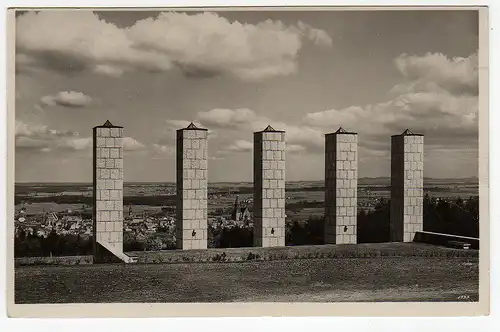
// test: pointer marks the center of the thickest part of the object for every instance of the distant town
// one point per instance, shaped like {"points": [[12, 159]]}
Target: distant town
{"points": [[40, 212]]}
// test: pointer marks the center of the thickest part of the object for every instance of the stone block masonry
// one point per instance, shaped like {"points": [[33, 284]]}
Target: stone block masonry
{"points": [[192, 177], [407, 174], [341, 185], [269, 188], [108, 191]]}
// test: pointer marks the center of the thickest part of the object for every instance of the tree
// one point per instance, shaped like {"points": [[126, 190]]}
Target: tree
{"points": [[374, 226], [153, 244], [50, 244], [236, 237]]}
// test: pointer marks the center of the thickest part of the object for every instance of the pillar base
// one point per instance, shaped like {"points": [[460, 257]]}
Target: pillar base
{"points": [[104, 253]]}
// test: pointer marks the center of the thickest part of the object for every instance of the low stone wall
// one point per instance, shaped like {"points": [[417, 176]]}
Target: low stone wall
{"points": [[54, 260], [441, 239], [371, 250], [221, 255]]}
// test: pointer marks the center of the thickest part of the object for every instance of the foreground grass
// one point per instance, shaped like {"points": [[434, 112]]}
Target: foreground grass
{"points": [[324, 280]]}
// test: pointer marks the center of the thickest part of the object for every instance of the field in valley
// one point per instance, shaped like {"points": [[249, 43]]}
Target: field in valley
{"points": [[150, 197]]}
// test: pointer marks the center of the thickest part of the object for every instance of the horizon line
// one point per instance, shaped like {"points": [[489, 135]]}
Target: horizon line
{"points": [[366, 177]]}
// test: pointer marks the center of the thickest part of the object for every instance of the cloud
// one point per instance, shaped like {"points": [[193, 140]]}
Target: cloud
{"points": [[251, 51], [39, 108], [165, 144], [67, 99], [200, 45], [86, 42], [159, 151], [438, 98], [239, 119], [164, 149], [247, 146], [131, 144], [444, 109], [26, 64], [294, 148], [440, 114], [79, 143], [41, 138], [224, 118], [108, 70], [435, 71], [179, 124], [168, 137], [173, 125], [317, 36], [239, 146], [302, 137]]}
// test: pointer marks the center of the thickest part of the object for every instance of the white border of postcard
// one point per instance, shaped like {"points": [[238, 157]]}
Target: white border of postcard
{"points": [[264, 309]]}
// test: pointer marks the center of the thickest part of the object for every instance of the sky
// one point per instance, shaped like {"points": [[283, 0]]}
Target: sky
{"points": [[235, 72]]}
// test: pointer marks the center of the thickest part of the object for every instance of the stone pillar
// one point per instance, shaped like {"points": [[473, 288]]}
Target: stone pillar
{"points": [[108, 192], [269, 188], [407, 165], [191, 214], [341, 186]]}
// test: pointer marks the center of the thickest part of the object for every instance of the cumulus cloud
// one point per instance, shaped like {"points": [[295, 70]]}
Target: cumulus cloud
{"points": [[86, 42], [247, 146], [41, 138], [165, 143], [173, 125], [439, 100], [164, 149], [318, 36], [79, 143], [300, 138], [67, 99], [239, 146], [294, 148], [159, 151], [245, 120], [131, 144], [108, 70], [239, 119], [224, 118], [440, 114], [191, 43], [438, 97], [33, 137], [436, 71]]}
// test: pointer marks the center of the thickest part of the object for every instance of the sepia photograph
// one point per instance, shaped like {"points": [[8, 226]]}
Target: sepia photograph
{"points": [[248, 155]]}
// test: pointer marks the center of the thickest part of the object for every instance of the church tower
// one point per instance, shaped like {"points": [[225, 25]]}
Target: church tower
{"points": [[237, 211]]}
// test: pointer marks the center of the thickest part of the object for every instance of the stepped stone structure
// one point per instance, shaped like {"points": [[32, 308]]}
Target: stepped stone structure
{"points": [[407, 160], [192, 169], [108, 192], [269, 188], [341, 184]]}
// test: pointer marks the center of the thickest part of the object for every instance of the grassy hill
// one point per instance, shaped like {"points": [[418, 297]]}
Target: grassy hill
{"points": [[308, 280]]}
